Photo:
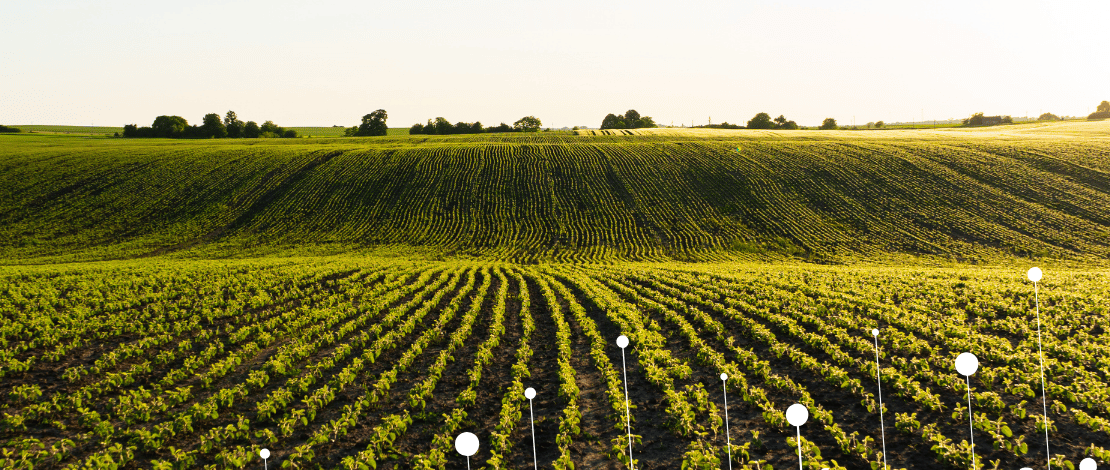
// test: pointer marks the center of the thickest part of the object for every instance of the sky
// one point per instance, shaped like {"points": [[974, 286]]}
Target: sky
{"points": [[568, 63]]}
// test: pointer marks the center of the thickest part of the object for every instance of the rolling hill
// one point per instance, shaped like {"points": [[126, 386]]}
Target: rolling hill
{"points": [[1029, 191]]}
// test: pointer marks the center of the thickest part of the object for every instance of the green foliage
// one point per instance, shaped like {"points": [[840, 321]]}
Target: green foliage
{"points": [[305, 356], [169, 126], [213, 126], [782, 123], [251, 130], [527, 124], [233, 125], [442, 126], [373, 124], [761, 121], [631, 119], [828, 124]]}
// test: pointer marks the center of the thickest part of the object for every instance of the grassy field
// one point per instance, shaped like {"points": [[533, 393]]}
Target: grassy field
{"points": [[77, 130], [357, 302]]}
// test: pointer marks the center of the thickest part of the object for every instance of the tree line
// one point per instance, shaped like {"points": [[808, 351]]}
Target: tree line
{"points": [[374, 124], [764, 121], [441, 126], [212, 127]]}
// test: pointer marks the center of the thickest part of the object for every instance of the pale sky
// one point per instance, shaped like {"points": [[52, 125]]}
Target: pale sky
{"points": [[568, 63]]}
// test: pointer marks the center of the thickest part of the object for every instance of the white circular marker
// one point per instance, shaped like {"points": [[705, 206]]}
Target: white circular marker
{"points": [[1035, 274], [797, 414], [874, 332], [530, 393], [622, 341], [1087, 464], [264, 453], [724, 376], [967, 363], [1026, 468], [466, 444]]}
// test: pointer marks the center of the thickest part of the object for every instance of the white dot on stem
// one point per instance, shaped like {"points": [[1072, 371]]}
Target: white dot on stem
{"points": [[797, 414], [466, 444], [967, 363]]}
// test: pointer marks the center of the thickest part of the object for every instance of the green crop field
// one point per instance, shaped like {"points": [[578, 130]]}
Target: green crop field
{"points": [[658, 195], [330, 131], [356, 303]]}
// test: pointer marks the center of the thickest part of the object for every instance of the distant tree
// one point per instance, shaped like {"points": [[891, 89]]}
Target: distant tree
{"points": [[192, 132], [350, 131], [879, 124], [373, 124], [631, 119], [233, 125], [130, 130], [574, 128], [828, 123], [7, 129], [213, 126], [270, 127], [1007, 120], [1048, 117], [251, 130], [976, 119], [476, 127], [723, 125], [527, 124], [441, 126], [612, 121], [169, 126], [289, 134], [782, 123], [416, 129], [1101, 112], [501, 128], [761, 121]]}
